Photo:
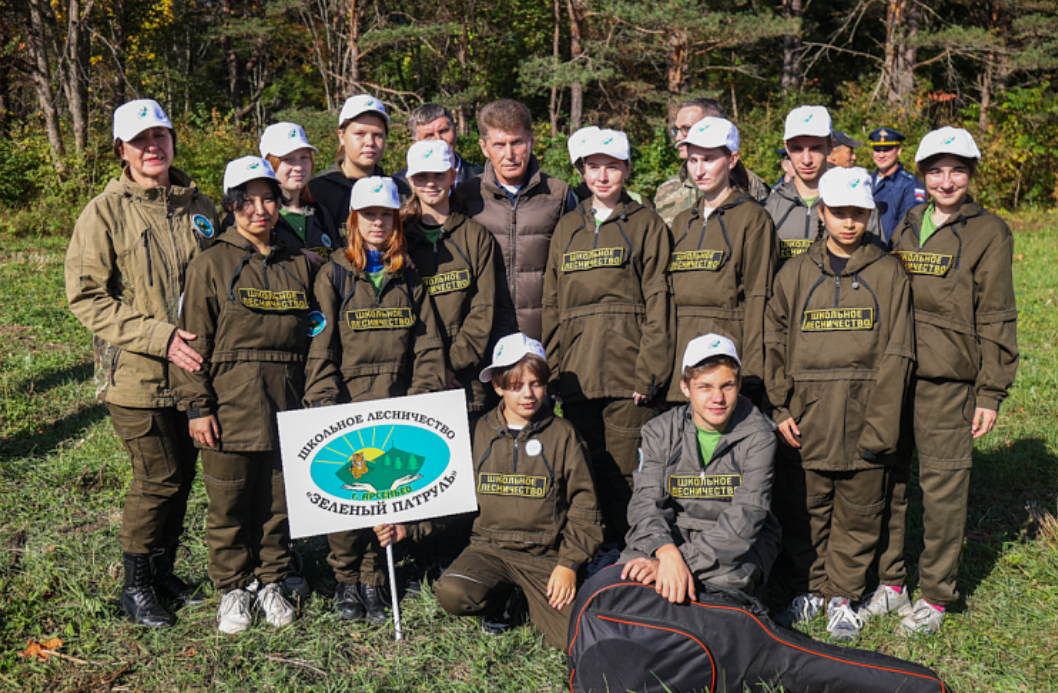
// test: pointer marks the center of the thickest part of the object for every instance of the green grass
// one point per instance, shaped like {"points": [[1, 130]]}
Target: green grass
{"points": [[63, 474]]}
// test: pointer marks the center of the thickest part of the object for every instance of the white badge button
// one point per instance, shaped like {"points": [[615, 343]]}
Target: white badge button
{"points": [[533, 447]]}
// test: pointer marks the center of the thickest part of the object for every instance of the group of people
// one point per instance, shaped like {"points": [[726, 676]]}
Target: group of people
{"points": [[742, 372]]}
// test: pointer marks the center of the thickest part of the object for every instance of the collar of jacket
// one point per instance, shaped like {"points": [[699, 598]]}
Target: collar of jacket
{"points": [[967, 211], [734, 199], [868, 253], [335, 174], [339, 257], [624, 210], [180, 192], [415, 236], [498, 422], [745, 421], [877, 175], [789, 191], [532, 178], [231, 236]]}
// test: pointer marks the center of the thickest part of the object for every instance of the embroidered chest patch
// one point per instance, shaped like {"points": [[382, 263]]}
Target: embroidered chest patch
{"points": [[263, 299], [925, 263], [689, 260], [448, 282], [591, 259], [837, 320], [704, 486], [493, 484], [789, 248], [379, 319]]}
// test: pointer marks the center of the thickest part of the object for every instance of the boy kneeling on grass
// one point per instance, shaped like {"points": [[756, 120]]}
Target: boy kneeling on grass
{"points": [[538, 520], [700, 510]]}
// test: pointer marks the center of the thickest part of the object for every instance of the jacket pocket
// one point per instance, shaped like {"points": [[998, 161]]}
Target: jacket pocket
{"points": [[242, 411], [106, 357], [822, 421], [153, 456], [945, 353], [856, 416]]}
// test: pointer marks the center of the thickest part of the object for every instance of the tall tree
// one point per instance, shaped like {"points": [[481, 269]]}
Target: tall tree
{"points": [[901, 27], [37, 43], [792, 49]]}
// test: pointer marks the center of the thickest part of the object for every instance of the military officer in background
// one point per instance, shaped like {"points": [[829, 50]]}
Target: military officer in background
{"points": [[844, 152], [896, 190]]}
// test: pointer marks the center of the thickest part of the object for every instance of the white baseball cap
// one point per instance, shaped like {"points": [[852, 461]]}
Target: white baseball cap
{"points": [[430, 156], [712, 133], [374, 191], [246, 169], [807, 121], [577, 141], [134, 117], [948, 140], [282, 138], [707, 346], [609, 142], [361, 103], [846, 187], [509, 351]]}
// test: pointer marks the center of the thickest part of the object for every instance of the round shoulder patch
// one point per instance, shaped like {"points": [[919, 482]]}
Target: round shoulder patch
{"points": [[317, 321], [203, 225], [534, 447], [326, 240]]}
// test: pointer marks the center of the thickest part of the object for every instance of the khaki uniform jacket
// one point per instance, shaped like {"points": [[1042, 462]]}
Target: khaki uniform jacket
{"points": [[607, 309], [250, 313], [373, 346], [459, 272], [965, 309], [523, 229], [535, 490], [797, 225], [125, 272], [721, 273], [839, 355], [322, 235], [718, 516]]}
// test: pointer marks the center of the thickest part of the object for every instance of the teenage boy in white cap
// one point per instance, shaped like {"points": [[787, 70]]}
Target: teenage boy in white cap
{"points": [[700, 511], [538, 523], [960, 259], [794, 204], [363, 126], [724, 255], [606, 319], [248, 299], [840, 350], [125, 274]]}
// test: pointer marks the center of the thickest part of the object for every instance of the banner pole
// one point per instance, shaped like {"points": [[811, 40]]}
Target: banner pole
{"points": [[398, 635]]}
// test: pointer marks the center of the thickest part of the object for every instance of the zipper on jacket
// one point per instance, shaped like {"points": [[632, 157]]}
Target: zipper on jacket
{"points": [[264, 271], [381, 288], [514, 466], [837, 290], [808, 221], [147, 250], [514, 254]]}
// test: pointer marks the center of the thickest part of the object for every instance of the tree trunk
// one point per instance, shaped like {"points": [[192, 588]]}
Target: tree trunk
{"points": [[42, 79], [901, 24], [120, 37], [679, 61], [989, 73], [552, 109], [576, 91], [791, 48], [231, 62], [77, 56], [352, 75]]}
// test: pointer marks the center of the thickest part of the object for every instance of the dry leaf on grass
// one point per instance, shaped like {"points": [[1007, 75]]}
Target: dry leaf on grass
{"points": [[41, 650]]}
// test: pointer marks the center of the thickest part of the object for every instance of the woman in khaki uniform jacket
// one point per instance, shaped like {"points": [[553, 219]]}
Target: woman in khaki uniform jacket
{"points": [[124, 277], [606, 320], [723, 257], [381, 339], [839, 333], [247, 300], [960, 258]]}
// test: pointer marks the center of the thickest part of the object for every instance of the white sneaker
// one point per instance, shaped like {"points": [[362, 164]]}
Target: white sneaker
{"points": [[843, 623], [884, 600], [277, 610], [924, 619], [804, 608], [234, 614]]}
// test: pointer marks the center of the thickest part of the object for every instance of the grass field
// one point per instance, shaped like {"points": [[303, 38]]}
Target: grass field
{"points": [[63, 473]]}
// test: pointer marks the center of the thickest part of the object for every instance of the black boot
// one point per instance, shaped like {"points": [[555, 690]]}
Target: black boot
{"points": [[166, 584], [347, 601], [138, 600], [374, 604]]}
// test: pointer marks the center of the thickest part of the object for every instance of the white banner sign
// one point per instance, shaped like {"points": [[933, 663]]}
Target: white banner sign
{"points": [[382, 462]]}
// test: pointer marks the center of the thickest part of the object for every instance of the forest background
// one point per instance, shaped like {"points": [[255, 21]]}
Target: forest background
{"points": [[223, 69]]}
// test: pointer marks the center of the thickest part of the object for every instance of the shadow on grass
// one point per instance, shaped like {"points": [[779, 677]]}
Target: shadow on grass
{"points": [[52, 435]]}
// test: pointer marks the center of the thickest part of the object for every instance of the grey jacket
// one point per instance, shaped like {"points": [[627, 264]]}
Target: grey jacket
{"points": [[718, 515], [796, 224]]}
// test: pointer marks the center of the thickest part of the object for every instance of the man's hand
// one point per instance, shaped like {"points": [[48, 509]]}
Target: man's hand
{"points": [[181, 354], [451, 381], [644, 570], [562, 587], [984, 421], [390, 534], [787, 430], [205, 430], [674, 580], [639, 399], [315, 258]]}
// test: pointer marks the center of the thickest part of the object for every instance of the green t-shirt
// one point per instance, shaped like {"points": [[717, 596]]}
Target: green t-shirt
{"points": [[432, 233], [376, 278], [296, 221], [928, 225], [809, 201], [707, 442]]}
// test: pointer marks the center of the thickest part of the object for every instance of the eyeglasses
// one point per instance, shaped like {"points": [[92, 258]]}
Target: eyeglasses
{"points": [[680, 133]]}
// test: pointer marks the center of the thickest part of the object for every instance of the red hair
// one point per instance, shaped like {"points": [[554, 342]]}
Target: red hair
{"points": [[392, 255]]}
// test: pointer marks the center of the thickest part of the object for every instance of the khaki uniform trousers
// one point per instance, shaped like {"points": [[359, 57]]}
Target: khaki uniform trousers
{"points": [[612, 430], [831, 522], [356, 556], [247, 530], [483, 575], [162, 455]]}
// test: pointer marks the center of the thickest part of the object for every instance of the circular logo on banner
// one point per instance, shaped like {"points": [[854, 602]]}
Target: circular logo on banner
{"points": [[534, 448], [380, 462], [203, 225], [317, 321], [326, 240]]}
